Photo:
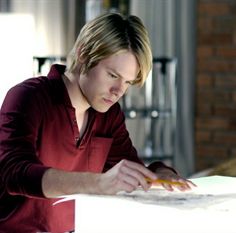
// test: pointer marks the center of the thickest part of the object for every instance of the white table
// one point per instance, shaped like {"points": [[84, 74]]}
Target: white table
{"points": [[210, 208]]}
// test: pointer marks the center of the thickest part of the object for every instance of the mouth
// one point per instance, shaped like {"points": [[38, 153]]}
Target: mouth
{"points": [[108, 101]]}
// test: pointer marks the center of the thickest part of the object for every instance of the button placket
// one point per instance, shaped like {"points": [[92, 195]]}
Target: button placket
{"points": [[74, 126]]}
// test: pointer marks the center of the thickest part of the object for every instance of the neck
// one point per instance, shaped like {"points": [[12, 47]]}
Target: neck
{"points": [[78, 100]]}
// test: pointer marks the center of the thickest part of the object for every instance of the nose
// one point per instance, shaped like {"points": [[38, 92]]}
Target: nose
{"points": [[118, 89]]}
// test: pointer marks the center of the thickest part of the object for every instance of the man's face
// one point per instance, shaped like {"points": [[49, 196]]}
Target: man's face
{"points": [[107, 82]]}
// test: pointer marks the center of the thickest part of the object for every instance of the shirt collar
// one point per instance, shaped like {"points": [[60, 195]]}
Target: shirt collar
{"points": [[57, 86]]}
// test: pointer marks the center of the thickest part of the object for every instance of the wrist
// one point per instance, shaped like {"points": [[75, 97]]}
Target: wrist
{"points": [[158, 165]]}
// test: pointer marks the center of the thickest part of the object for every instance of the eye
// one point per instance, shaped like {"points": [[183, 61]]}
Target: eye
{"points": [[111, 75], [131, 83]]}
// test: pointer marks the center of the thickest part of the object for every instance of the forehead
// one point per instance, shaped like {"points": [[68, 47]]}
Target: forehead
{"points": [[124, 63]]}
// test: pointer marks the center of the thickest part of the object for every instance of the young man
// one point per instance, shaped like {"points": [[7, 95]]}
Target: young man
{"points": [[66, 134]]}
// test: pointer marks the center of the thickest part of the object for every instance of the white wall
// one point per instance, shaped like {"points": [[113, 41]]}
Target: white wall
{"points": [[16, 46], [171, 25]]}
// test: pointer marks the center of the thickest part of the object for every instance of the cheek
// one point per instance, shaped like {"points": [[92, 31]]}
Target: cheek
{"points": [[94, 83], [85, 86]]}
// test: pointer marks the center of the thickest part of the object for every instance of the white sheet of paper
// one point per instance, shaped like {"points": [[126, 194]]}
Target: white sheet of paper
{"points": [[211, 207]]}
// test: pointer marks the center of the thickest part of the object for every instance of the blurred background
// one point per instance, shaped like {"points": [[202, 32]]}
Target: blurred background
{"points": [[185, 115]]}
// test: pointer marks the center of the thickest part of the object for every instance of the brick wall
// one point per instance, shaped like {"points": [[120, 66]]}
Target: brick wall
{"points": [[215, 115]]}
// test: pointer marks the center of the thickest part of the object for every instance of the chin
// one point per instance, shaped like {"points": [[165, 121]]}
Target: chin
{"points": [[101, 109]]}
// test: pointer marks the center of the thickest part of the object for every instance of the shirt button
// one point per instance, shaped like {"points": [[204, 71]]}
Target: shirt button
{"points": [[76, 139], [74, 122]]}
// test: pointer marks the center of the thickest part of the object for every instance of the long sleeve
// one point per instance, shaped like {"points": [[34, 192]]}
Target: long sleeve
{"points": [[20, 169], [122, 147]]}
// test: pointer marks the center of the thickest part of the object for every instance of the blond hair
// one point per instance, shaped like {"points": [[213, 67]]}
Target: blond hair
{"points": [[108, 34]]}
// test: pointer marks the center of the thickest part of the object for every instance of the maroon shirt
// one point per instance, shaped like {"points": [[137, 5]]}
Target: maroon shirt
{"points": [[38, 130]]}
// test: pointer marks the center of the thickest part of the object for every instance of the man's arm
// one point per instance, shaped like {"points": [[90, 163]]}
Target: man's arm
{"points": [[124, 176], [57, 182]]}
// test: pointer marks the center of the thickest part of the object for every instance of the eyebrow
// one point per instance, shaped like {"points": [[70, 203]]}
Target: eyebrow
{"points": [[119, 75]]}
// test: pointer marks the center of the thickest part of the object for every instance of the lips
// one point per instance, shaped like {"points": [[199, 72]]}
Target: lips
{"points": [[108, 101]]}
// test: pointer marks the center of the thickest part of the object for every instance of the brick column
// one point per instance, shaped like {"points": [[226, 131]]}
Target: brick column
{"points": [[215, 115]]}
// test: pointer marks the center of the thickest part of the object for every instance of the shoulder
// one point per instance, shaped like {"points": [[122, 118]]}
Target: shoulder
{"points": [[25, 93], [28, 86]]}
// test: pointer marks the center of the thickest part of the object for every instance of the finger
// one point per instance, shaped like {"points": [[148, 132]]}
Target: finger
{"points": [[167, 187], [187, 184], [128, 183], [134, 177], [129, 178], [183, 188], [191, 183], [142, 169], [184, 184], [127, 187]]}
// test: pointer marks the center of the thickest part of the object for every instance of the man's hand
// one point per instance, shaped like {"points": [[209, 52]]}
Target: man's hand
{"points": [[176, 181], [125, 176]]}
